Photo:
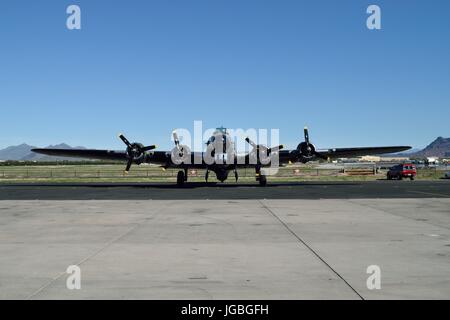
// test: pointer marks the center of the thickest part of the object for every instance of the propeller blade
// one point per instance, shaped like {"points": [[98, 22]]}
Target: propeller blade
{"points": [[275, 149], [251, 142], [149, 148], [130, 161], [175, 139], [125, 140], [305, 130]]}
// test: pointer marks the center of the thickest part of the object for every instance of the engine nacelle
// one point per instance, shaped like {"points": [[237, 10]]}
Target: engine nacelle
{"points": [[134, 151], [305, 152]]}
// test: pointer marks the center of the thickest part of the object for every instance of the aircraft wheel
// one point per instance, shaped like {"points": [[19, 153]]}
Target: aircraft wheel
{"points": [[180, 178], [262, 180]]}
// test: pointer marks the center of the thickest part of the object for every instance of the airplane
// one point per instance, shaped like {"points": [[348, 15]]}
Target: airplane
{"points": [[220, 156]]}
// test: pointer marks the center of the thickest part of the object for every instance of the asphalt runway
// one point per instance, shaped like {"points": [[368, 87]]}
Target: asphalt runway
{"points": [[200, 191]]}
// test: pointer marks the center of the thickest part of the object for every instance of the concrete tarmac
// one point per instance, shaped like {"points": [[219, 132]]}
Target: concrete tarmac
{"points": [[227, 249]]}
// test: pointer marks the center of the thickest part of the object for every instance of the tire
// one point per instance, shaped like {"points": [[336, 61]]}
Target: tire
{"points": [[389, 177], [262, 180], [180, 178], [411, 178], [400, 177]]}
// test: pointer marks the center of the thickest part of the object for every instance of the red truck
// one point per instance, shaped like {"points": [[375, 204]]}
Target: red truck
{"points": [[400, 171]]}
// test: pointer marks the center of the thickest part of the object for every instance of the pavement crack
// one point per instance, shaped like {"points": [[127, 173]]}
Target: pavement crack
{"points": [[109, 243], [310, 248]]}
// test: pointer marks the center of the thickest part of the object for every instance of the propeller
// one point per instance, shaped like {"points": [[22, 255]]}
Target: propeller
{"points": [[257, 148], [176, 140], [306, 133], [250, 142], [181, 153], [307, 150], [135, 151]]}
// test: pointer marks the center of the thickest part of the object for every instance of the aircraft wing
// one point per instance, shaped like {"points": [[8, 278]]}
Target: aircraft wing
{"points": [[163, 157], [358, 152], [84, 153], [156, 157]]}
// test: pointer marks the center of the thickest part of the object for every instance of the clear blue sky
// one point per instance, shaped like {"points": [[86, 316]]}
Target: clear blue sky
{"points": [[146, 67]]}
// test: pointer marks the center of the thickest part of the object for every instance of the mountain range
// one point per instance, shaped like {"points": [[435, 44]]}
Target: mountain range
{"points": [[23, 152], [438, 148]]}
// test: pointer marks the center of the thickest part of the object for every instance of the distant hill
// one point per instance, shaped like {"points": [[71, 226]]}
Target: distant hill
{"points": [[23, 152], [438, 148], [15, 152], [407, 153]]}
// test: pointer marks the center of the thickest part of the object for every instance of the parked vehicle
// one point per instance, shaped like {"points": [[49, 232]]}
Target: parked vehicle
{"points": [[406, 170], [447, 175]]}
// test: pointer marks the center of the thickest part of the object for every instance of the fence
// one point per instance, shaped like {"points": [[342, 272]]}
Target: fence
{"points": [[139, 172], [116, 172]]}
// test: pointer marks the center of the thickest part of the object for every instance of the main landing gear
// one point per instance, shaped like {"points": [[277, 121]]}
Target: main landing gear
{"points": [[260, 177], [181, 177], [262, 180]]}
